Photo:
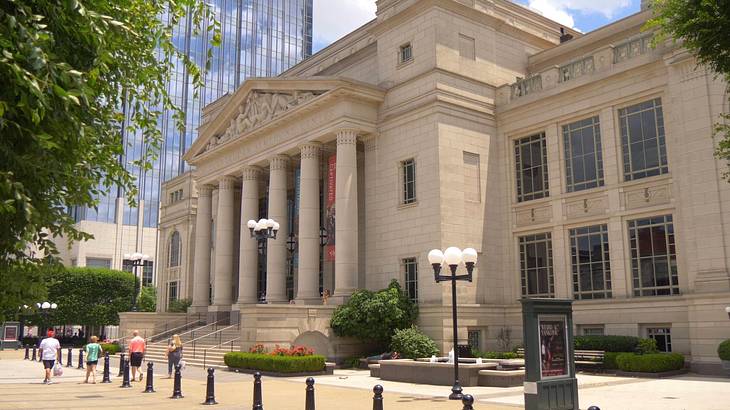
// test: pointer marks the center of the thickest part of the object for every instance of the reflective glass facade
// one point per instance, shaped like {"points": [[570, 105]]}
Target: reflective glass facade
{"points": [[260, 38]]}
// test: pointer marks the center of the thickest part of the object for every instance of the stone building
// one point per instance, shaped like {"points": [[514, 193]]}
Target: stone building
{"points": [[578, 166]]}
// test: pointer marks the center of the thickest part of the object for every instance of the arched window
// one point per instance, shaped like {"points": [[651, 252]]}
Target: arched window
{"points": [[175, 250]]}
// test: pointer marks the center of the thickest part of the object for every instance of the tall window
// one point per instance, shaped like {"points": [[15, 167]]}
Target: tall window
{"points": [[171, 293], [532, 171], [472, 188], [128, 266], [536, 265], [405, 53], [408, 170], [474, 338], [590, 262], [175, 244], [653, 256], [410, 268], [583, 162], [642, 140], [662, 336]]}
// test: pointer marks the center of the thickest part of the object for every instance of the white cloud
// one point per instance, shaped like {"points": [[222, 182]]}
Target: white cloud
{"points": [[560, 10], [336, 18]]}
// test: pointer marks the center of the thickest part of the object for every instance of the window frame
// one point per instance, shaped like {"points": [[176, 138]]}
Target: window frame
{"points": [[633, 227], [569, 160], [178, 260], [401, 49], [622, 118], [665, 330], [469, 340], [574, 236], [521, 194], [407, 262], [168, 291], [405, 200], [535, 239]]}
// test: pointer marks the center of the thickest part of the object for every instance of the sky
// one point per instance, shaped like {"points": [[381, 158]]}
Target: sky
{"points": [[335, 18]]}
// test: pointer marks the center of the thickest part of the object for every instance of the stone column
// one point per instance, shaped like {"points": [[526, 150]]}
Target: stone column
{"points": [[248, 261], [201, 281], [223, 284], [276, 252], [346, 235], [308, 283]]}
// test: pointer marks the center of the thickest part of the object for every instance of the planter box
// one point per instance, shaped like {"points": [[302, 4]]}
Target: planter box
{"points": [[441, 374], [501, 378], [659, 375], [329, 370], [726, 367]]}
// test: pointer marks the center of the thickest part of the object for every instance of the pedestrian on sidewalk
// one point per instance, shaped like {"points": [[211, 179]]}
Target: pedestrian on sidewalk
{"points": [[137, 347], [174, 354], [93, 352], [50, 351]]}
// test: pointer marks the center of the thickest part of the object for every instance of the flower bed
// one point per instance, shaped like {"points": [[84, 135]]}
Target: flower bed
{"points": [[274, 362]]}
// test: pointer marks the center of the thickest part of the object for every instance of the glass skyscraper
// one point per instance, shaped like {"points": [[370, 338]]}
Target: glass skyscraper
{"points": [[260, 38]]}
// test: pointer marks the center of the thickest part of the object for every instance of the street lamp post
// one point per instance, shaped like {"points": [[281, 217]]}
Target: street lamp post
{"points": [[138, 259], [261, 231], [453, 256], [727, 310], [44, 308]]}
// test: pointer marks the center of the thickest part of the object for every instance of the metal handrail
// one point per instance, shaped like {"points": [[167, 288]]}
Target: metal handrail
{"points": [[192, 332], [219, 332], [122, 341], [205, 352], [175, 329]]}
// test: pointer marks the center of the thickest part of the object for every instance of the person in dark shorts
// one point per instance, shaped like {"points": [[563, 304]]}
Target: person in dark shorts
{"points": [[93, 352], [50, 351], [137, 348]]}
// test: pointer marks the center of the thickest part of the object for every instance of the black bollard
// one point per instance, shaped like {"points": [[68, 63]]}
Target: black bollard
{"points": [[106, 369], [257, 404], [467, 400], [593, 408], [121, 365], [81, 359], [309, 403], [69, 360], [378, 397], [210, 388], [60, 357], [34, 349], [125, 379], [176, 389], [27, 353], [149, 387]]}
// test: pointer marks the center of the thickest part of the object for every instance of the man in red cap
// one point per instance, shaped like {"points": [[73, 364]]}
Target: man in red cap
{"points": [[50, 351]]}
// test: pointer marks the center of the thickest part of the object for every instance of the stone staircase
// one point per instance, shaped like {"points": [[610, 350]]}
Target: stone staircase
{"points": [[203, 346]]}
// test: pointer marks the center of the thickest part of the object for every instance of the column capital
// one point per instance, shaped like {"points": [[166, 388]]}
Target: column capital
{"points": [[279, 162], [310, 150], [370, 142], [346, 136], [251, 172], [227, 182], [205, 190]]}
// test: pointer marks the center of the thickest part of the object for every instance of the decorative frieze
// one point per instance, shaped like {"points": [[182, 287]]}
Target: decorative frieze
{"points": [[576, 69], [647, 196], [525, 86], [533, 216], [583, 207], [632, 48]]}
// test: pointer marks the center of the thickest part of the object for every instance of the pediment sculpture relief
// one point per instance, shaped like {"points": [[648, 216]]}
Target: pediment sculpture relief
{"points": [[260, 108]]}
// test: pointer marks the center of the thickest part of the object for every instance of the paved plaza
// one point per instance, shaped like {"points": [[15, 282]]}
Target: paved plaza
{"points": [[21, 388]]}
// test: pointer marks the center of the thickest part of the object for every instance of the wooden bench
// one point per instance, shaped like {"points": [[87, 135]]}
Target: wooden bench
{"points": [[586, 359]]}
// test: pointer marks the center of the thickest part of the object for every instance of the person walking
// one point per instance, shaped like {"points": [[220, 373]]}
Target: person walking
{"points": [[174, 354], [50, 351], [93, 352], [137, 348]]}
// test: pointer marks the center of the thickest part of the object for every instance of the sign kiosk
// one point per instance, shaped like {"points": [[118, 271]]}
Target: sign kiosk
{"points": [[550, 382]]}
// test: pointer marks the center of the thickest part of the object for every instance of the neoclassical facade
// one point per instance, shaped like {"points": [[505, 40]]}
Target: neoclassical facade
{"points": [[578, 166]]}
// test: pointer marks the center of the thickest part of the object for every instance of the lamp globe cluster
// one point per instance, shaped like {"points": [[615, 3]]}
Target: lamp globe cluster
{"points": [[136, 256], [263, 229], [452, 256]]}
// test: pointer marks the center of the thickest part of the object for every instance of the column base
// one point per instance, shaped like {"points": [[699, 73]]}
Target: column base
{"points": [[340, 297], [308, 301], [198, 309], [220, 314]]}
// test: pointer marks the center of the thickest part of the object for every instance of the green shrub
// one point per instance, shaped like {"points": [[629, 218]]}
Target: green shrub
{"points": [[111, 348], [278, 364], [494, 355], [650, 363], [179, 305], [607, 343], [647, 346], [724, 350], [411, 343], [609, 360], [351, 363]]}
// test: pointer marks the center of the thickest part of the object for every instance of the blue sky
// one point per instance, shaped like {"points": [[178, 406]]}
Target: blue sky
{"points": [[335, 18]]}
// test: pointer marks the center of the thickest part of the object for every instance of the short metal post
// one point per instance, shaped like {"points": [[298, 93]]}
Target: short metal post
{"points": [[60, 357], [27, 353], [176, 388], [467, 400], [69, 359], [121, 365], [34, 353], [210, 388], [309, 403], [149, 388], [81, 359], [378, 397], [125, 379], [106, 378], [257, 404]]}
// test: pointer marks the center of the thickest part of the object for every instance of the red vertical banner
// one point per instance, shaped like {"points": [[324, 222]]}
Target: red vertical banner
{"points": [[330, 210]]}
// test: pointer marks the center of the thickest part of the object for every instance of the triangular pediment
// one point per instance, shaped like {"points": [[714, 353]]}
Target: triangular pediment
{"points": [[258, 104]]}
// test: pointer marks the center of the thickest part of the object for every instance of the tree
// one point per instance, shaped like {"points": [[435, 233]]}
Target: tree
{"points": [[71, 72], [703, 27], [373, 317], [148, 299]]}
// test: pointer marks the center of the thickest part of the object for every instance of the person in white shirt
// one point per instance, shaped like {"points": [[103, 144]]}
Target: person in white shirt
{"points": [[50, 350]]}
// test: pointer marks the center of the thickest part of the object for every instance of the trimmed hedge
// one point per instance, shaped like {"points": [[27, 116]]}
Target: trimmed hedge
{"points": [[111, 348], [278, 364], [494, 355], [609, 360], [723, 351], [650, 363], [607, 343]]}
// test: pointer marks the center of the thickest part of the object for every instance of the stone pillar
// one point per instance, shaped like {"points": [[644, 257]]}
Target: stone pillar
{"points": [[276, 252], [223, 284], [201, 275], [248, 261], [346, 233], [308, 283]]}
